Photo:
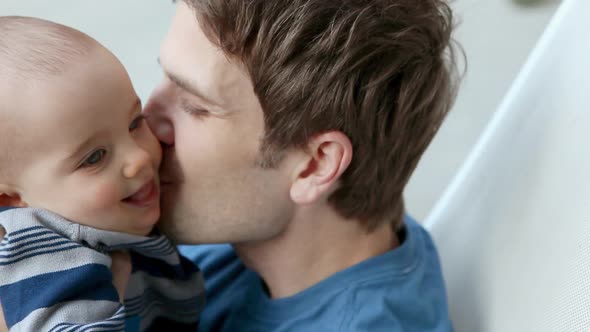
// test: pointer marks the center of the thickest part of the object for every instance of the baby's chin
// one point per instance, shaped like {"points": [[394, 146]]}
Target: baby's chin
{"points": [[145, 226]]}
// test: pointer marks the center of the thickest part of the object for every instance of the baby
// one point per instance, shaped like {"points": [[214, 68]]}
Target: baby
{"points": [[78, 158]]}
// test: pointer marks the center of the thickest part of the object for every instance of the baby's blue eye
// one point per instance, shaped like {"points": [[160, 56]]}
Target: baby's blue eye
{"points": [[136, 123], [94, 158]]}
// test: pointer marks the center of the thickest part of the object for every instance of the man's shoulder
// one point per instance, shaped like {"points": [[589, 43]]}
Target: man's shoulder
{"points": [[401, 290]]}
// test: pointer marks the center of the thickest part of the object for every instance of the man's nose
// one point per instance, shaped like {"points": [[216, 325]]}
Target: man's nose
{"points": [[158, 119], [137, 162]]}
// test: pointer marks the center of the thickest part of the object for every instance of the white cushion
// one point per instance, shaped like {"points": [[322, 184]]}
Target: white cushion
{"points": [[513, 228]]}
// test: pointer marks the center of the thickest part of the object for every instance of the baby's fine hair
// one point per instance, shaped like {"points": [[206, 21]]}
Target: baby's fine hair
{"points": [[33, 48]]}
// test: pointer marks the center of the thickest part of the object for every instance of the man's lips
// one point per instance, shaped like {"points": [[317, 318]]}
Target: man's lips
{"points": [[145, 196]]}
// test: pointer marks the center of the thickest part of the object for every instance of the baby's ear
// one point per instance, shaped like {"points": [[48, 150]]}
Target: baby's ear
{"points": [[9, 197]]}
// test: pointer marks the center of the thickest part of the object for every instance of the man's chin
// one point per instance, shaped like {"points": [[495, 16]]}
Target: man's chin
{"points": [[170, 226], [165, 224]]}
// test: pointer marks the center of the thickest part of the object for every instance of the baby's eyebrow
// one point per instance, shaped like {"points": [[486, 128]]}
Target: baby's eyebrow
{"points": [[186, 85], [88, 141], [136, 104], [81, 148]]}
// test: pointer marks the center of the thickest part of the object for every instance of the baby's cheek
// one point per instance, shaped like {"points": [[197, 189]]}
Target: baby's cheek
{"points": [[106, 196], [92, 204]]}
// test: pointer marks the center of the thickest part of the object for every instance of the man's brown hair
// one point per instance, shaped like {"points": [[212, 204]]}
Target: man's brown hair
{"points": [[380, 71]]}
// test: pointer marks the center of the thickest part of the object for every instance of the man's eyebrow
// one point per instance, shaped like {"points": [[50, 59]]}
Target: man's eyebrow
{"points": [[186, 85]]}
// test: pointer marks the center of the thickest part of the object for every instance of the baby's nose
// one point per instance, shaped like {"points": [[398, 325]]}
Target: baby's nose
{"points": [[136, 163]]}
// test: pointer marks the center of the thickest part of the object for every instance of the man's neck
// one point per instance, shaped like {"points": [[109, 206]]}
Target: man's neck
{"points": [[317, 244]]}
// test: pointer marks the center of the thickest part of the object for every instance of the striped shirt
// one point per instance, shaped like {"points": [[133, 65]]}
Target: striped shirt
{"points": [[55, 276]]}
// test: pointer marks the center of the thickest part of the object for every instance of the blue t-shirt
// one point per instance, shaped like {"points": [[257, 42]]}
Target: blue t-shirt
{"points": [[400, 290]]}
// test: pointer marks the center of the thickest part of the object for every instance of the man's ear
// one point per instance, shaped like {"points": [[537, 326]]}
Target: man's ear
{"points": [[9, 197], [325, 158]]}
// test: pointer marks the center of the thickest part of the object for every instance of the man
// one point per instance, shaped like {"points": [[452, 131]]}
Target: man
{"points": [[290, 129]]}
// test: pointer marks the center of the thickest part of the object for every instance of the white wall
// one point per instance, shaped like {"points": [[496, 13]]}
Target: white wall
{"points": [[497, 36]]}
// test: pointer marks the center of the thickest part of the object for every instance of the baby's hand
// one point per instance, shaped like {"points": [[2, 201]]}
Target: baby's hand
{"points": [[3, 327], [121, 269]]}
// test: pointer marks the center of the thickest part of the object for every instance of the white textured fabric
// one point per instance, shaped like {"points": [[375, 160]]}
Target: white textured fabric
{"points": [[513, 229]]}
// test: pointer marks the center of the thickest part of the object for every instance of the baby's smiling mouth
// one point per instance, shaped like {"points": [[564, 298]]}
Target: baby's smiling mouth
{"points": [[145, 195]]}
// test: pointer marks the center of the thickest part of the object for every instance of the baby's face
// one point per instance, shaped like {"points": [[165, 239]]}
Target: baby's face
{"points": [[95, 161]]}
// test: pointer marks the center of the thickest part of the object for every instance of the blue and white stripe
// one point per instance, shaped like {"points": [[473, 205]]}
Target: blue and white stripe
{"points": [[55, 276]]}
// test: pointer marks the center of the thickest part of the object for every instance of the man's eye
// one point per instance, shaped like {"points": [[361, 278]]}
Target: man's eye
{"points": [[94, 158], [195, 111], [136, 123]]}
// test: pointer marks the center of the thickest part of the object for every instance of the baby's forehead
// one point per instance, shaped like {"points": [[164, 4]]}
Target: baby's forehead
{"points": [[29, 138], [56, 133]]}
